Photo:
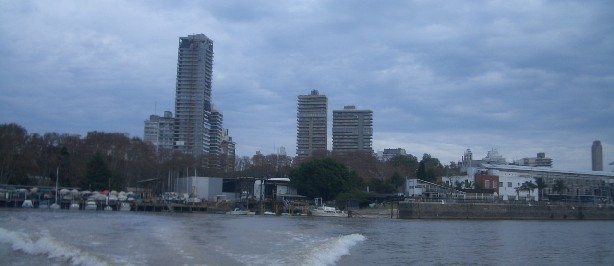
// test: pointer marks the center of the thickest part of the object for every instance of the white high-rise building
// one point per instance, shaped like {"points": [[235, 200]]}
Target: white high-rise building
{"points": [[159, 131], [352, 130], [597, 156], [311, 124], [193, 94]]}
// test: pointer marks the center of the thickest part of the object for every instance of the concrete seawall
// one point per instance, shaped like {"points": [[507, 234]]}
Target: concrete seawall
{"points": [[421, 210]]}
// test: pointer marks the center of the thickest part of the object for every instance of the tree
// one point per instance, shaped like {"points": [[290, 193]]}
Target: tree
{"points": [[379, 186], [12, 146], [429, 168], [559, 186], [363, 163], [359, 196], [325, 178], [527, 186], [98, 173], [458, 185], [405, 165], [397, 181], [541, 185]]}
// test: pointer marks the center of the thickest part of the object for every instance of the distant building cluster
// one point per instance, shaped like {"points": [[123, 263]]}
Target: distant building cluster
{"points": [[526, 179], [197, 127], [352, 129], [540, 161], [388, 154]]}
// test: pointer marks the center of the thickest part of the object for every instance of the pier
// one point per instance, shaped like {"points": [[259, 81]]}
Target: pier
{"points": [[100, 205]]}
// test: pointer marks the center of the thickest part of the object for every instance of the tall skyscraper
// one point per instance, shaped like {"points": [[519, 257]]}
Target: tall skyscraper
{"points": [[193, 94], [311, 124], [352, 130], [597, 156], [228, 157], [159, 131], [216, 136]]}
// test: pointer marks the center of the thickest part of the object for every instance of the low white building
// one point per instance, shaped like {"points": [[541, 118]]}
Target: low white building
{"points": [[509, 184], [580, 184], [205, 188], [413, 188]]}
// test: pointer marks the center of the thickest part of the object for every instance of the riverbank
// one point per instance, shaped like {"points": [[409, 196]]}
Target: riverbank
{"points": [[526, 211]]}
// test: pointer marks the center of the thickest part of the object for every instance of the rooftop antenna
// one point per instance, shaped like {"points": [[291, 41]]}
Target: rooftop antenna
{"points": [[155, 107]]}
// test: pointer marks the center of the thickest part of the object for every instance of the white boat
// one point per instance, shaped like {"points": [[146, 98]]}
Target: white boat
{"points": [[108, 207], [238, 211], [74, 206], [55, 206], [124, 207], [326, 211], [91, 205], [194, 200], [27, 204]]}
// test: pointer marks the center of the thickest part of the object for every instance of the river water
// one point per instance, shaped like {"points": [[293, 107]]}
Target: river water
{"points": [[46, 237]]}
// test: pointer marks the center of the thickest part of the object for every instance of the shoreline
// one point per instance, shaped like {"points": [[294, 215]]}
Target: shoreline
{"points": [[498, 211]]}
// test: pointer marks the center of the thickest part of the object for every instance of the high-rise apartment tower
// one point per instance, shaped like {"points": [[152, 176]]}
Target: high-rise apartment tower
{"points": [[216, 136], [311, 124], [352, 130], [597, 156], [159, 131], [193, 94]]}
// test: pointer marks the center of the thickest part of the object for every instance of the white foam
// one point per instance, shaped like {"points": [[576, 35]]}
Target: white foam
{"points": [[329, 252], [47, 245]]}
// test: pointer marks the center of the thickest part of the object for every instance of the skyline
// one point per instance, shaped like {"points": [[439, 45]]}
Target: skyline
{"points": [[521, 77]]}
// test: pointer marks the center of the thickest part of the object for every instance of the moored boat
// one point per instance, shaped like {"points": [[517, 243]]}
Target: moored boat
{"points": [[326, 211], [74, 206], [238, 211], [124, 206], [27, 204], [91, 205]]}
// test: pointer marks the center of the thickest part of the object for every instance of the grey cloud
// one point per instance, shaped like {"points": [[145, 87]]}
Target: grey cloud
{"points": [[439, 77]]}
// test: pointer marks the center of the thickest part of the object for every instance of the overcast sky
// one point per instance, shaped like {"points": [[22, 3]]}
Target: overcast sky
{"points": [[440, 76]]}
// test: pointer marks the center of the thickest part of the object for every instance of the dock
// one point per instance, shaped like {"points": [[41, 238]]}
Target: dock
{"points": [[134, 206]]}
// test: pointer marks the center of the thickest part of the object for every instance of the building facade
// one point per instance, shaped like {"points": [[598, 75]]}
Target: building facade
{"points": [[228, 156], [388, 154], [216, 136], [352, 130], [597, 156], [159, 131], [312, 132], [578, 184], [193, 94], [203, 188], [540, 161]]}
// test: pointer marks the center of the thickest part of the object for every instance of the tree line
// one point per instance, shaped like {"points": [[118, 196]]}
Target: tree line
{"points": [[97, 161], [102, 160]]}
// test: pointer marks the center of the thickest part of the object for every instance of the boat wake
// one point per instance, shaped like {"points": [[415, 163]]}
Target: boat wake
{"points": [[49, 246], [329, 252]]}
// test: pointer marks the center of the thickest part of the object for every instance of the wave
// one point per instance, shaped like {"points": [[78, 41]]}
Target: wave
{"points": [[49, 246], [329, 252]]}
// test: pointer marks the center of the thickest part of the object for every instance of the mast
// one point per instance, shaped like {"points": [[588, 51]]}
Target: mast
{"points": [[57, 174]]}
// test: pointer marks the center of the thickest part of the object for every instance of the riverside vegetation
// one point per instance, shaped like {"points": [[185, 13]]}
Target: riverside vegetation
{"points": [[102, 160]]}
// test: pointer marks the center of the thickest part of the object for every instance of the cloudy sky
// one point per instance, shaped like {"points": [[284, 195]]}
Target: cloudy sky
{"points": [[440, 76]]}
